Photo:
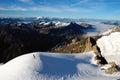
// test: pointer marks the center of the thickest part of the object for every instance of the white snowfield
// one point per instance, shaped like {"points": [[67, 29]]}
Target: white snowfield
{"points": [[54, 66], [110, 47]]}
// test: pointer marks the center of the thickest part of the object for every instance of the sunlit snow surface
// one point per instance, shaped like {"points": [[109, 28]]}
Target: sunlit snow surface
{"points": [[52, 66], [110, 47]]}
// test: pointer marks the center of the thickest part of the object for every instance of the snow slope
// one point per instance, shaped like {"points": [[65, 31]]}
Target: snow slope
{"points": [[110, 47], [53, 66]]}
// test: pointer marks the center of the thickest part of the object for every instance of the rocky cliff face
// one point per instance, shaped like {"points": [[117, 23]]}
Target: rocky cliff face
{"points": [[92, 46], [74, 46], [100, 60], [78, 45], [85, 25]]}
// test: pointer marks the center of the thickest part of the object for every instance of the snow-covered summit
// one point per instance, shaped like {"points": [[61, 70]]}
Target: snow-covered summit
{"points": [[50, 66], [39, 17], [110, 47]]}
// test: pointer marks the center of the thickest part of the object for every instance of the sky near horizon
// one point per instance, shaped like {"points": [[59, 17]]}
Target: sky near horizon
{"points": [[98, 9]]}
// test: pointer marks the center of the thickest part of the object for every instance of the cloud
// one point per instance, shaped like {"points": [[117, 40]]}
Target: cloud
{"points": [[73, 9], [80, 2], [14, 15], [60, 9], [16, 8], [26, 1], [2, 8], [90, 4], [46, 9]]}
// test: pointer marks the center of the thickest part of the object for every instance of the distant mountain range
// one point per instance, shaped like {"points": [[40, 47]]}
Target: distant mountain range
{"points": [[48, 19], [19, 38]]}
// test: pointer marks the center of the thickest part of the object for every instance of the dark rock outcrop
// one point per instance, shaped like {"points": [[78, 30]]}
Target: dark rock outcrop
{"points": [[72, 29], [76, 45], [85, 25], [92, 46]]}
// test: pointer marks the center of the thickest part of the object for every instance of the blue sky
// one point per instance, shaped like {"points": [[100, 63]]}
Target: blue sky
{"points": [[98, 9]]}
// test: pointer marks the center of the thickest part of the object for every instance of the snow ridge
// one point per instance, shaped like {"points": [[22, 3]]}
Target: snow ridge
{"points": [[52, 66]]}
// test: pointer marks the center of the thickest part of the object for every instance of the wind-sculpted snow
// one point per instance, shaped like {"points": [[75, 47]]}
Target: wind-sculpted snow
{"points": [[53, 66], [110, 47]]}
